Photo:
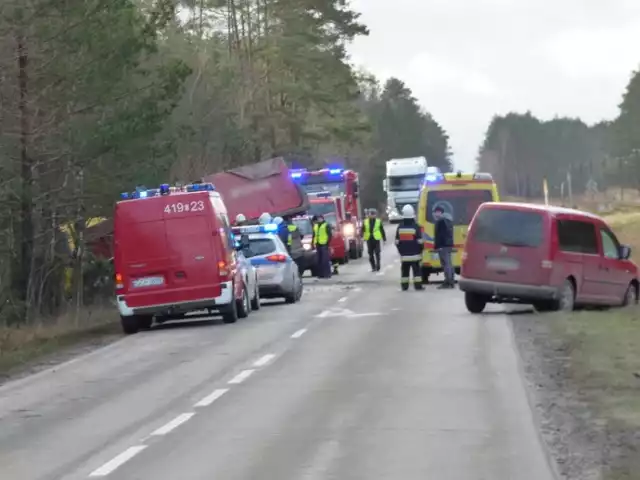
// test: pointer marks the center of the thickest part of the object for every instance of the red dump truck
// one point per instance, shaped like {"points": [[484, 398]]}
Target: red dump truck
{"points": [[262, 187]]}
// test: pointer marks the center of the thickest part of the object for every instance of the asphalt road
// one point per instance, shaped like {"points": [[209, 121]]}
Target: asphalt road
{"points": [[358, 381]]}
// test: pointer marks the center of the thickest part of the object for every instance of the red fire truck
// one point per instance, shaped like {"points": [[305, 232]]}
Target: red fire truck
{"points": [[339, 183]]}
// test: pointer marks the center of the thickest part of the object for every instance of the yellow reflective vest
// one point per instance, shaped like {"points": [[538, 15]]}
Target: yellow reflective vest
{"points": [[377, 229]]}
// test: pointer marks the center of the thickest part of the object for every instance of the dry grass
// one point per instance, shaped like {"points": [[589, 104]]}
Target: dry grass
{"points": [[605, 360], [22, 345]]}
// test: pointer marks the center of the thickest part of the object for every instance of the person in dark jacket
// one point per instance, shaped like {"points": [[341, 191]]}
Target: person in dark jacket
{"points": [[373, 233], [322, 233], [409, 244], [443, 244]]}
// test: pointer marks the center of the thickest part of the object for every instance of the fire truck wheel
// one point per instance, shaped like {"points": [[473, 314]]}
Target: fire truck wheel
{"points": [[130, 324]]}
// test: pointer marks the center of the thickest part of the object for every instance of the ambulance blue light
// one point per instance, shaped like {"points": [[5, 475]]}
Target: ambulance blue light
{"points": [[335, 171], [433, 178]]}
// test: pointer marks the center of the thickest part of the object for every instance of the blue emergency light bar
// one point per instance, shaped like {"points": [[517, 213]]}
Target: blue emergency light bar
{"points": [[299, 172], [166, 189], [434, 177], [266, 228]]}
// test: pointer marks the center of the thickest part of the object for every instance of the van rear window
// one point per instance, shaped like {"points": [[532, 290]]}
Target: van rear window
{"points": [[508, 227], [461, 205]]}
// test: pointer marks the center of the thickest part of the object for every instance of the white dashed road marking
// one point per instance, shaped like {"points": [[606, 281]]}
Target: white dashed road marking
{"points": [[118, 461], [262, 361], [212, 397], [173, 424], [241, 377], [299, 333]]}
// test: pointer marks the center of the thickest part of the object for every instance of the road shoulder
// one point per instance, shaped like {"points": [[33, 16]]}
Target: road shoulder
{"points": [[586, 411]]}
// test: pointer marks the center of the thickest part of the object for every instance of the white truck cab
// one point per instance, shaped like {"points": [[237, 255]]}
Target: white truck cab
{"points": [[403, 183]]}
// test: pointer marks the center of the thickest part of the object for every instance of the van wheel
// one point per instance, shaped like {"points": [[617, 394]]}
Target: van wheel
{"points": [[425, 275], [230, 313], [145, 322], [475, 302], [630, 296], [130, 324], [243, 305], [567, 299]]}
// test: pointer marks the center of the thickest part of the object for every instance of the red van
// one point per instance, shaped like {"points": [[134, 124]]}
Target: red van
{"points": [[175, 253], [554, 258]]}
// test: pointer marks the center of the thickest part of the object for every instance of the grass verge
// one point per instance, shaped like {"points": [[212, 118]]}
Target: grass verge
{"points": [[26, 345], [604, 371]]}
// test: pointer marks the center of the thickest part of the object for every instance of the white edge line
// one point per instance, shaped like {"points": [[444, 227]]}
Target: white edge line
{"points": [[299, 333], [212, 397], [173, 424], [117, 461], [262, 361], [343, 299], [241, 377]]}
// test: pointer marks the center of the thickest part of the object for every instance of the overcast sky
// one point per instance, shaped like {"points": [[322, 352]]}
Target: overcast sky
{"points": [[466, 60]]}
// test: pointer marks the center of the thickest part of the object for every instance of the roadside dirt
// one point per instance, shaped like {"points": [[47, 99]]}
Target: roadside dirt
{"points": [[585, 443]]}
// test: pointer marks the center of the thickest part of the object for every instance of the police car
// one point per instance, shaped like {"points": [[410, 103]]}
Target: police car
{"points": [[278, 274]]}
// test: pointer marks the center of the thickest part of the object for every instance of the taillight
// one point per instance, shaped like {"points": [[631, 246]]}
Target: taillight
{"points": [[119, 282], [279, 258], [223, 268]]}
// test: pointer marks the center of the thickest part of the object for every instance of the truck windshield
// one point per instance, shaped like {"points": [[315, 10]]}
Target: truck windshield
{"points": [[404, 184], [461, 205], [324, 209], [334, 188]]}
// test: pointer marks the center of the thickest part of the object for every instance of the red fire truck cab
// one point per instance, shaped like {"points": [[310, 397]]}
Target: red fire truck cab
{"points": [[339, 183], [331, 208]]}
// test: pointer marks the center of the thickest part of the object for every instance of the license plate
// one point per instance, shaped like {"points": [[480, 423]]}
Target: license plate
{"points": [[266, 271], [147, 282], [505, 264]]}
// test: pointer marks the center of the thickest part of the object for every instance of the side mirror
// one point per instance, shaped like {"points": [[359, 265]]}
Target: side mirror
{"points": [[625, 252]]}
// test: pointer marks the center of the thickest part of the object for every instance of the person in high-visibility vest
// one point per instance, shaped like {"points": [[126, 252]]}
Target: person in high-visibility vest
{"points": [[322, 237], [409, 243], [373, 233]]}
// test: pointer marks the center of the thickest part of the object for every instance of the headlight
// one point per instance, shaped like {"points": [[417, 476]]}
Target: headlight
{"points": [[348, 230], [306, 246]]}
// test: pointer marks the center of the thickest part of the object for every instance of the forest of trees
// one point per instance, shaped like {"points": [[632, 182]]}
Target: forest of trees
{"points": [[97, 97], [521, 150]]}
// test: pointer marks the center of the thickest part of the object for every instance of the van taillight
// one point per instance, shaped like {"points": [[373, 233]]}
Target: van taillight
{"points": [[279, 258], [222, 268], [119, 282]]}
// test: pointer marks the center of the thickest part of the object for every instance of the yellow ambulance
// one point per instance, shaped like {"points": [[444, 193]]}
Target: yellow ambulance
{"points": [[459, 194]]}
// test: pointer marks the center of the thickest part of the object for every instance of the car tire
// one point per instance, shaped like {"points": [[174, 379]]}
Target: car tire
{"points": [[230, 313], [294, 296], [630, 296], [566, 302], [475, 302], [145, 322], [255, 302], [244, 305], [130, 324], [300, 290]]}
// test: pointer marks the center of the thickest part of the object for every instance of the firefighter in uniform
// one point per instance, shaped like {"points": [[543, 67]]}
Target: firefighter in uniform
{"points": [[409, 244]]}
